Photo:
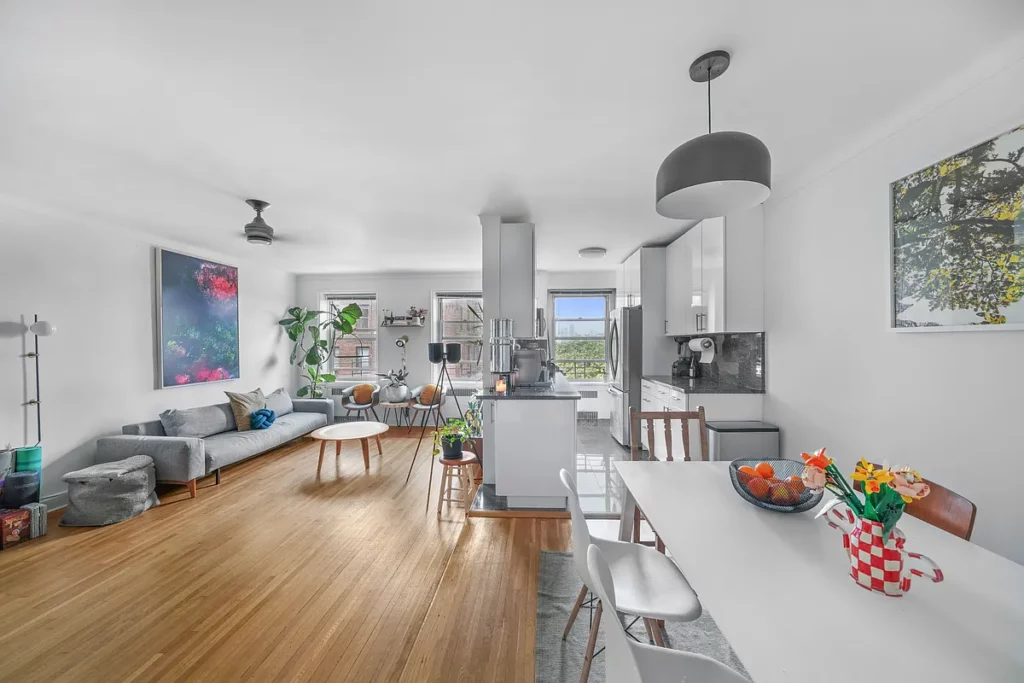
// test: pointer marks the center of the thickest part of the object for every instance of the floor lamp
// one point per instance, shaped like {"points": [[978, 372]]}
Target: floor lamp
{"points": [[443, 354], [39, 328]]}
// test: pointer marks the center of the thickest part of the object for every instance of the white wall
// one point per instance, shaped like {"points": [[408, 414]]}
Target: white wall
{"points": [[948, 403], [97, 370]]}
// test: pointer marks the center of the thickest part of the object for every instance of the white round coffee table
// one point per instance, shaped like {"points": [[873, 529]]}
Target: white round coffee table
{"points": [[349, 431]]}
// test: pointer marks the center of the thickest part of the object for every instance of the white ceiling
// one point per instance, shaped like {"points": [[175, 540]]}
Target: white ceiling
{"points": [[379, 130]]}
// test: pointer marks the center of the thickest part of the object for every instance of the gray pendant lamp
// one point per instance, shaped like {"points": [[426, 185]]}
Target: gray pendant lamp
{"points": [[714, 174]]}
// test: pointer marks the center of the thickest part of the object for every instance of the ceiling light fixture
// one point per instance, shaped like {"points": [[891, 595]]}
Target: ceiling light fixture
{"points": [[593, 252], [714, 174], [257, 231]]}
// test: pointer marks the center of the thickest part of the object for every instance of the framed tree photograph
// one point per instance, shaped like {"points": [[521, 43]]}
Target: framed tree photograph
{"points": [[958, 240], [197, 320]]}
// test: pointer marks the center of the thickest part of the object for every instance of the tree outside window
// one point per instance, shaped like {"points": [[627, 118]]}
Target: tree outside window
{"points": [[580, 333]]}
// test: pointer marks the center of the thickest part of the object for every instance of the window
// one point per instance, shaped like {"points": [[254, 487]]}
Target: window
{"points": [[460, 319], [580, 332], [355, 355]]}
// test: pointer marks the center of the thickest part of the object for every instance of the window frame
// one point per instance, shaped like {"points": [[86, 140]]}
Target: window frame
{"points": [[437, 329], [367, 374], [553, 320]]}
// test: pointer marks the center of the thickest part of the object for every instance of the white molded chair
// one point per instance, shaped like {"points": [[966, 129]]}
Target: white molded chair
{"points": [[650, 585], [635, 662]]}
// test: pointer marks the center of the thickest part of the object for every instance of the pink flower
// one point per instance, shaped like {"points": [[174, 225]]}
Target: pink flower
{"points": [[814, 478], [182, 379], [909, 484]]}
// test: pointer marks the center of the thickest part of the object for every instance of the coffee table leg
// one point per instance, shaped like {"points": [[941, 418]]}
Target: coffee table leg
{"points": [[320, 463], [380, 451], [366, 452]]}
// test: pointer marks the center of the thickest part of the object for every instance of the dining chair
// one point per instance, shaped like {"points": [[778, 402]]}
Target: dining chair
{"points": [[361, 399], [652, 587], [629, 660], [667, 417], [426, 400], [943, 508]]}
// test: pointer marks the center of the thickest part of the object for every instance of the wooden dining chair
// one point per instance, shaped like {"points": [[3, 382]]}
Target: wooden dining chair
{"points": [[942, 508], [668, 417]]}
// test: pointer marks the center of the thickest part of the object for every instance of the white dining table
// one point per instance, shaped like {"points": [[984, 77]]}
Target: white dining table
{"points": [[779, 588]]}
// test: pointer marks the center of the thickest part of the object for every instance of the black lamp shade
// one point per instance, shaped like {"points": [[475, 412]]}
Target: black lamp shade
{"points": [[435, 352], [454, 352]]}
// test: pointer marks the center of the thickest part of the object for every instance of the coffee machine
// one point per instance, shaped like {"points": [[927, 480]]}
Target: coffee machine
{"points": [[530, 363]]}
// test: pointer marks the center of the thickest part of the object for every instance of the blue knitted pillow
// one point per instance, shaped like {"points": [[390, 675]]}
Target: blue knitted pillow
{"points": [[262, 418]]}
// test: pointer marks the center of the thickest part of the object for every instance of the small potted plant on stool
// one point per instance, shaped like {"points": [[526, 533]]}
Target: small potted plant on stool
{"points": [[451, 436]]}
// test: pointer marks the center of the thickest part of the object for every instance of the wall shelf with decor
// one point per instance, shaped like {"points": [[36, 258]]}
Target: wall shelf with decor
{"points": [[414, 317], [402, 322]]}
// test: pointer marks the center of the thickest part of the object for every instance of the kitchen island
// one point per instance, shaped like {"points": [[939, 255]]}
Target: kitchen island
{"points": [[529, 435]]}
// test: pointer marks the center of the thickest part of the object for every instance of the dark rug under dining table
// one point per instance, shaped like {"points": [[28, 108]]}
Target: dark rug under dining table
{"points": [[558, 661]]}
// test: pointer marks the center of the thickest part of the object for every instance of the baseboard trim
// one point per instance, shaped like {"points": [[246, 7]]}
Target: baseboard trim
{"points": [[55, 501]]}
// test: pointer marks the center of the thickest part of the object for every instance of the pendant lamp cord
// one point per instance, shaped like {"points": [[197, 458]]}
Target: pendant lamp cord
{"points": [[709, 100]]}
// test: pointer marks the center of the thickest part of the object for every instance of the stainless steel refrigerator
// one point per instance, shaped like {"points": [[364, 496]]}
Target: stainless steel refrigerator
{"points": [[626, 343]]}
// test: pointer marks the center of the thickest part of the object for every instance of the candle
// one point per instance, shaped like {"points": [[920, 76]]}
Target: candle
{"points": [[500, 385]]}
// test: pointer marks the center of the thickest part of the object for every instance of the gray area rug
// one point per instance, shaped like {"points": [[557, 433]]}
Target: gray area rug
{"points": [[559, 661]]}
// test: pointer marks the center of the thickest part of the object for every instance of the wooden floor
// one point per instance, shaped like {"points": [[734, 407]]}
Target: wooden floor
{"points": [[275, 576]]}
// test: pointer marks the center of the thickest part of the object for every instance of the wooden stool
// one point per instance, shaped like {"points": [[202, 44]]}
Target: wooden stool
{"points": [[454, 469]]}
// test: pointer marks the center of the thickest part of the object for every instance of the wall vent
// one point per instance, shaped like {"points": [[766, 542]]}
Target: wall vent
{"points": [[588, 393], [337, 391], [461, 391], [586, 414]]}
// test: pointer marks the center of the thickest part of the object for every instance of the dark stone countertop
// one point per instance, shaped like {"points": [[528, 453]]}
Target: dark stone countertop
{"points": [[700, 386], [561, 390]]}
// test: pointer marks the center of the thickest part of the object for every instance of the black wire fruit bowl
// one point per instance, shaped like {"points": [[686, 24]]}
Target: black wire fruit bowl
{"points": [[782, 492]]}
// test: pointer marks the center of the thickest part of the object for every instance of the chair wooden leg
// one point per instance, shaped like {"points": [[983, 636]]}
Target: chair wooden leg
{"points": [[449, 475], [588, 659], [440, 495], [192, 492], [320, 462], [650, 631], [659, 544], [366, 453], [575, 610], [655, 628], [469, 493]]}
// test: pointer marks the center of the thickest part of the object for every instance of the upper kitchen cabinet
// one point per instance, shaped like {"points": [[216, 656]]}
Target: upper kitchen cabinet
{"points": [[714, 279], [631, 293], [643, 284]]}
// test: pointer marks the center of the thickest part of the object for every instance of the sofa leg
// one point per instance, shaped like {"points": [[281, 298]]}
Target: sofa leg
{"points": [[192, 493], [216, 474]]}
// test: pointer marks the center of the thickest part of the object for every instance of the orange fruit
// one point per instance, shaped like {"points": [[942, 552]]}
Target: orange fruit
{"points": [[765, 470], [745, 473], [796, 484], [747, 469], [758, 488], [783, 494], [772, 480]]}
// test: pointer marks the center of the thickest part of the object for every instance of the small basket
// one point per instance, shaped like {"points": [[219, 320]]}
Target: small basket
{"points": [[783, 468]]}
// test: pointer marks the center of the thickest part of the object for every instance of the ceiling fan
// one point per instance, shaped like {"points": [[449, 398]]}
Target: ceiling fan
{"points": [[257, 231]]}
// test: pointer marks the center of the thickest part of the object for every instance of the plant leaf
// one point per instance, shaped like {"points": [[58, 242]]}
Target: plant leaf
{"points": [[327, 377], [302, 391]]}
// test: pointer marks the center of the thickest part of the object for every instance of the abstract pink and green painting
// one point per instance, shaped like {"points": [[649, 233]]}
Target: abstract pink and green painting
{"points": [[198, 320]]}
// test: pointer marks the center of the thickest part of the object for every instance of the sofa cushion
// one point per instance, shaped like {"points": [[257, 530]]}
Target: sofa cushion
{"points": [[297, 424], [280, 402], [231, 447], [199, 422], [244, 405]]}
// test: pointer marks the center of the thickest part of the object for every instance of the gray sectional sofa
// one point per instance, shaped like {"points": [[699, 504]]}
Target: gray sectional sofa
{"points": [[206, 439]]}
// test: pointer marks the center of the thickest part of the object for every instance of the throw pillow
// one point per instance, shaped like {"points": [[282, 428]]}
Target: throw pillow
{"points": [[428, 395], [280, 402], [199, 422], [363, 394], [244, 405], [262, 418]]}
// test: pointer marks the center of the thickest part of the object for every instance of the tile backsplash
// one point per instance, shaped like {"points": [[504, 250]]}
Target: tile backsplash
{"points": [[739, 358]]}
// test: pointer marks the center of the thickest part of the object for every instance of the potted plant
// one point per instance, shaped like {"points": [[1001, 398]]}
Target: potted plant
{"points": [[313, 342], [396, 389], [451, 436]]}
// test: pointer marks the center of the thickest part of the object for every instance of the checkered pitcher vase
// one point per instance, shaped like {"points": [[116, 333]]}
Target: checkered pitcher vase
{"points": [[877, 565]]}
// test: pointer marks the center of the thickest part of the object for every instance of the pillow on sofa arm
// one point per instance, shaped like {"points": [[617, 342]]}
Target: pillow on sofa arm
{"points": [[280, 402]]}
